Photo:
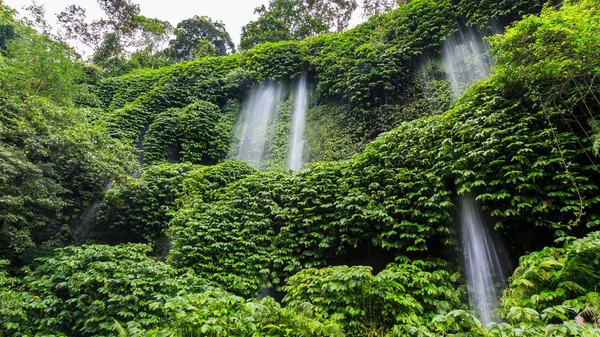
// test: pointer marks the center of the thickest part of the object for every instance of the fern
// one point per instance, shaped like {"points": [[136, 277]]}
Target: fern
{"points": [[572, 288], [122, 332]]}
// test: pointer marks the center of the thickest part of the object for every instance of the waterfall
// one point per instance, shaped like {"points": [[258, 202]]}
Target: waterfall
{"points": [[466, 60], [257, 114], [298, 123], [87, 217], [482, 260]]}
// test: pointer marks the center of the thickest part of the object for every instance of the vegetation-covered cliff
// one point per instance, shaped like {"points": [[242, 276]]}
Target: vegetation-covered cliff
{"points": [[123, 211]]}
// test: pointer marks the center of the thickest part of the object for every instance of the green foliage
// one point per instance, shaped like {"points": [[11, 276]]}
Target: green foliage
{"points": [[115, 92], [267, 28], [141, 209], [36, 65], [192, 34], [204, 184], [402, 294], [283, 20], [551, 276], [524, 49], [217, 313], [285, 222], [225, 244], [328, 137], [170, 87], [274, 61], [543, 297], [29, 200], [7, 27], [161, 140], [82, 289], [56, 157], [372, 67], [55, 160], [201, 139], [484, 13], [527, 163], [14, 304], [104, 291], [520, 140], [296, 19], [142, 206], [198, 133]]}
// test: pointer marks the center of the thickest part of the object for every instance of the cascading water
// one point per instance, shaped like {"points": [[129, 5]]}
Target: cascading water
{"points": [[466, 60], [86, 218], [482, 260], [257, 114], [298, 122]]}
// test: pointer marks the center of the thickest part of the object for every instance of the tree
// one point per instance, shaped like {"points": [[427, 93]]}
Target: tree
{"points": [[334, 13], [7, 27], [296, 19], [191, 34], [120, 34], [268, 28], [110, 55], [119, 20], [37, 65], [375, 7], [153, 37]]}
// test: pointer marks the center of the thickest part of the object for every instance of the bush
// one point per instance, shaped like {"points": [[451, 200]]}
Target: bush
{"points": [[410, 293], [217, 313], [82, 290]]}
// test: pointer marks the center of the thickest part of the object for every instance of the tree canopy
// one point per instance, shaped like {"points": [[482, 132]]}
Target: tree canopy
{"points": [[200, 36], [296, 19]]}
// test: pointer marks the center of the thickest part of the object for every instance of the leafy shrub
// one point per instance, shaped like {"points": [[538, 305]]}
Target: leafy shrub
{"points": [[553, 275], [402, 294], [274, 61], [14, 304], [198, 133], [217, 313], [141, 209], [224, 242], [204, 184], [82, 290]]}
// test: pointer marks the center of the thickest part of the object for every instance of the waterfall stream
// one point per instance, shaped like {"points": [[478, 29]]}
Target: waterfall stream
{"points": [[482, 260], [466, 60], [298, 123], [257, 114], [87, 217]]}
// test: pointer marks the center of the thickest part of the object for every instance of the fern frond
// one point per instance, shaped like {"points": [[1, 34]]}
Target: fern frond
{"points": [[572, 287], [122, 332]]}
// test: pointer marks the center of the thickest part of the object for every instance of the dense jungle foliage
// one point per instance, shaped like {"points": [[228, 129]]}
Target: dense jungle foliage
{"points": [[122, 213]]}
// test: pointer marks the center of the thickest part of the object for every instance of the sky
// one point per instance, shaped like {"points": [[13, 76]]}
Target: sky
{"points": [[234, 13]]}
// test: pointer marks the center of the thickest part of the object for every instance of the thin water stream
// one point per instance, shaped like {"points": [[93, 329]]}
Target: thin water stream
{"points": [[86, 218], [483, 260], [298, 123]]}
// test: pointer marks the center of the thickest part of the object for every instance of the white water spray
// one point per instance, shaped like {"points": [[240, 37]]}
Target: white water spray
{"points": [[298, 123], [87, 217], [466, 60], [482, 263], [257, 114]]}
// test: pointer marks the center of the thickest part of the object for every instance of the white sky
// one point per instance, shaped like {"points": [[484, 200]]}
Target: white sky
{"points": [[234, 13]]}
